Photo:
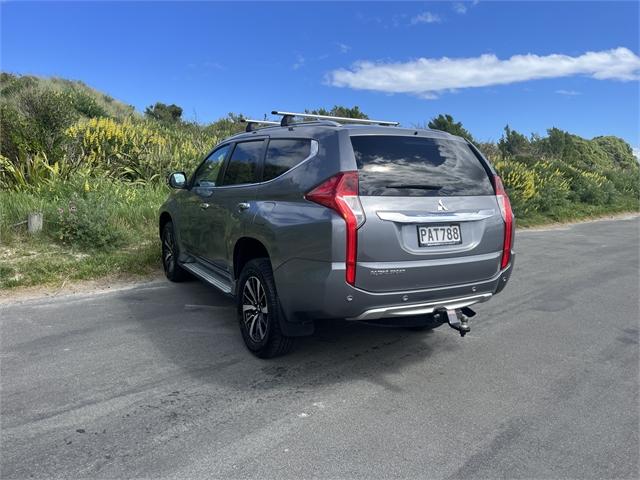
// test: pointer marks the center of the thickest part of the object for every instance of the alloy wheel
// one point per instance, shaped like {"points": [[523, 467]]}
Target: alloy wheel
{"points": [[168, 251], [254, 309]]}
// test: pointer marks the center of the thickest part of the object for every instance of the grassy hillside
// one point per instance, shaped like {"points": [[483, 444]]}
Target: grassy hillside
{"points": [[96, 169], [88, 102]]}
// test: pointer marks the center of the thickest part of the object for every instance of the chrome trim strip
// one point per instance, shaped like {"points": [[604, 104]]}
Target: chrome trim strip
{"points": [[313, 151], [199, 272], [429, 217], [421, 308]]}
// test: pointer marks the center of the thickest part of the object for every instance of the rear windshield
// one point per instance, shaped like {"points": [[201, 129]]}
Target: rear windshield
{"points": [[425, 167]]}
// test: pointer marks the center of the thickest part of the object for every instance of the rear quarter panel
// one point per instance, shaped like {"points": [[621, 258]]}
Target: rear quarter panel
{"points": [[290, 226]]}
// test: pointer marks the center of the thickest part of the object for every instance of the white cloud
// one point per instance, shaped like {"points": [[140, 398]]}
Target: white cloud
{"points": [[298, 63], [343, 47], [429, 76], [459, 7], [463, 7], [207, 64], [426, 17], [214, 65], [569, 93], [636, 152]]}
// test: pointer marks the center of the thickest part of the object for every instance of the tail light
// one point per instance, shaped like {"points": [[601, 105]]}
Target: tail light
{"points": [[507, 216], [340, 193]]}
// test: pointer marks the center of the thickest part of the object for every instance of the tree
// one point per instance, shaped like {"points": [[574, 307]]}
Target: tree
{"points": [[446, 123], [513, 143], [340, 111], [164, 113]]}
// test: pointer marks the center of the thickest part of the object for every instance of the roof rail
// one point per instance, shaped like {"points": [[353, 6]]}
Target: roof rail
{"points": [[287, 119], [252, 124]]}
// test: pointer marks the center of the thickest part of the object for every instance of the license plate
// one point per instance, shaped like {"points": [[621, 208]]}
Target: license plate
{"points": [[434, 235]]}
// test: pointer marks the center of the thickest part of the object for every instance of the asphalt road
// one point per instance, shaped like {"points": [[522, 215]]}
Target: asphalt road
{"points": [[154, 381]]}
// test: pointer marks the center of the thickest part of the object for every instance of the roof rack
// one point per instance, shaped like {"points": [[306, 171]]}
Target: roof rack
{"points": [[252, 124], [287, 119]]}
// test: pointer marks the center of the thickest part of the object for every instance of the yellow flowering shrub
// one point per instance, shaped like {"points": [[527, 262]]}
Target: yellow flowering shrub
{"points": [[105, 140], [136, 150]]}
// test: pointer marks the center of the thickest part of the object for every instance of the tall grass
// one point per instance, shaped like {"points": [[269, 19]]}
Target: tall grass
{"points": [[108, 228], [129, 209]]}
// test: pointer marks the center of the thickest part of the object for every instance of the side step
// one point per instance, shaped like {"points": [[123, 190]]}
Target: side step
{"points": [[208, 276]]}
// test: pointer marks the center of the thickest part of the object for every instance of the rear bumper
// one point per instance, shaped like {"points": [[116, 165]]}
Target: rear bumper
{"points": [[310, 290], [422, 308]]}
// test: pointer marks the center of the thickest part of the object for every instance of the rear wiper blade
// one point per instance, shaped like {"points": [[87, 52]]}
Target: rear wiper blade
{"points": [[414, 186]]}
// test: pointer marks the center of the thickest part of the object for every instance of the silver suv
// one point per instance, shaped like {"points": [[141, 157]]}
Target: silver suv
{"points": [[360, 220]]}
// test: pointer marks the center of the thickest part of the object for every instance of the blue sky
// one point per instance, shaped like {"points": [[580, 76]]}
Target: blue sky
{"points": [[526, 64]]}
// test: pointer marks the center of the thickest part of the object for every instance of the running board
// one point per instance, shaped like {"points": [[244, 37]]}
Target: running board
{"points": [[207, 276]]}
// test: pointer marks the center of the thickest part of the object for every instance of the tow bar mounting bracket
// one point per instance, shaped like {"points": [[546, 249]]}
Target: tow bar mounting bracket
{"points": [[459, 319]]}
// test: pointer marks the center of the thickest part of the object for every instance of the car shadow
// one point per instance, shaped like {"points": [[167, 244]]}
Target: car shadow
{"points": [[195, 327]]}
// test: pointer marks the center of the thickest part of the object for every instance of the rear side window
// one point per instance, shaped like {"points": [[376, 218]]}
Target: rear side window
{"points": [[420, 167], [284, 154], [243, 164]]}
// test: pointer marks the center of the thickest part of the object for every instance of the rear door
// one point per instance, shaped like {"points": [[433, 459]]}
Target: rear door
{"points": [[432, 219]]}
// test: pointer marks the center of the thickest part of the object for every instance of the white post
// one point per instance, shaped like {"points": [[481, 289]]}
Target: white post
{"points": [[34, 222]]}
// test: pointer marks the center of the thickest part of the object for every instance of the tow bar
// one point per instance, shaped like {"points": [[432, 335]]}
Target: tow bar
{"points": [[459, 319]]}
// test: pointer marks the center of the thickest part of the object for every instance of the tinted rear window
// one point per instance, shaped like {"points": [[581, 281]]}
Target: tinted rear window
{"points": [[284, 154], [410, 166]]}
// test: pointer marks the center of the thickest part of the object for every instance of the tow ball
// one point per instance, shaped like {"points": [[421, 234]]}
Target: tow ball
{"points": [[459, 319]]}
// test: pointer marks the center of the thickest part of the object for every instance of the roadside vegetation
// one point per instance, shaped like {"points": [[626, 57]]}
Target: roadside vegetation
{"points": [[96, 169]]}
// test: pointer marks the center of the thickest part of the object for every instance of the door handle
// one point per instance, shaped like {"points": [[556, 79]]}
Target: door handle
{"points": [[204, 205], [243, 206]]}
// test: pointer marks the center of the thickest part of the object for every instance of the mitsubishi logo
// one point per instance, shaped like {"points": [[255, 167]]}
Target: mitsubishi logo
{"points": [[441, 207]]}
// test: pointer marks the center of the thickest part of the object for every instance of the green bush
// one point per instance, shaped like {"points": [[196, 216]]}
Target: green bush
{"points": [[35, 124], [15, 139], [626, 183], [85, 104], [618, 151], [552, 188], [83, 222], [594, 188]]}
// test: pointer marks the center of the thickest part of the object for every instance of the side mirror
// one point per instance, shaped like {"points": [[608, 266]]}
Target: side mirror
{"points": [[177, 180]]}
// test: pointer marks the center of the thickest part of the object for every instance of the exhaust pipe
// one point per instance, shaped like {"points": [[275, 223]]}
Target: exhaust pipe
{"points": [[459, 319]]}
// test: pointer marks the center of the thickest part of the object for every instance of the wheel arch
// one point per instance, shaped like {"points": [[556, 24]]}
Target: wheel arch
{"points": [[165, 217], [246, 249], [249, 248]]}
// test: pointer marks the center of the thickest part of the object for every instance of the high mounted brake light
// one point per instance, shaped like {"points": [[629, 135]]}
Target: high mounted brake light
{"points": [[507, 216], [340, 193]]}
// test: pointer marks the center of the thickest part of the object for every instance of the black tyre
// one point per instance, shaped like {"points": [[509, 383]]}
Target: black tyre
{"points": [[259, 311], [170, 253]]}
